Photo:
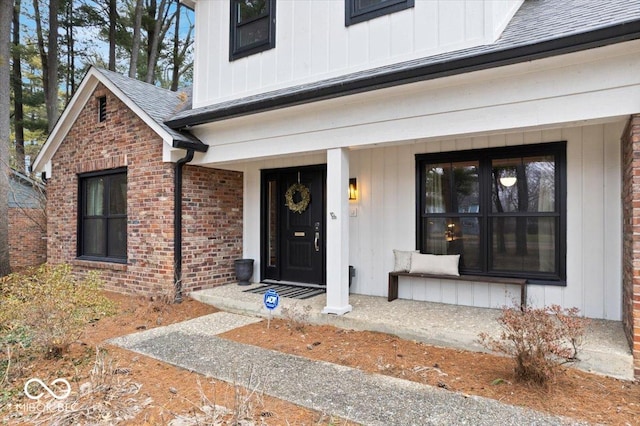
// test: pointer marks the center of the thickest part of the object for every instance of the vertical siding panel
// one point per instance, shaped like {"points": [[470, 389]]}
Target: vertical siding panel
{"points": [[450, 12], [358, 37], [379, 39], [474, 27], [284, 42], [378, 224], [481, 295], [366, 274], [402, 33], [593, 220], [426, 26], [319, 18], [356, 257], [574, 291], [301, 39], [612, 222]]}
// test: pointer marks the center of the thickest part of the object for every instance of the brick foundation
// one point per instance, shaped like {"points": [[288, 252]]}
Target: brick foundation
{"points": [[212, 216], [631, 237]]}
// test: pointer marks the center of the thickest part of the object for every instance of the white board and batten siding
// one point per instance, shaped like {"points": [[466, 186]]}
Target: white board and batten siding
{"points": [[313, 43], [386, 220]]}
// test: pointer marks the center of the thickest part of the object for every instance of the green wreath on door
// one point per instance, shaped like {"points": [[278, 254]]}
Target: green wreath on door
{"points": [[305, 197]]}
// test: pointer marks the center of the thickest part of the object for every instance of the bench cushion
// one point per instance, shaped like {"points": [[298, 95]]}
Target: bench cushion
{"points": [[435, 264]]}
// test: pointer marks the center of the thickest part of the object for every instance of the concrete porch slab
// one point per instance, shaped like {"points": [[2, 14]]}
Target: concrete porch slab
{"points": [[605, 350]]}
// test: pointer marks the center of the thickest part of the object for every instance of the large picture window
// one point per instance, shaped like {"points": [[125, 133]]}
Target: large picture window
{"points": [[102, 219], [503, 210], [252, 28], [363, 10]]}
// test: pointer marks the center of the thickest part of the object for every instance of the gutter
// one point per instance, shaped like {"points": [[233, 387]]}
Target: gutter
{"points": [[177, 225], [359, 83]]}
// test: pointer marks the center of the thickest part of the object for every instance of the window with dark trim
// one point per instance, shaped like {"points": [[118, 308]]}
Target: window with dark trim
{"points": [[102, 109], [363, 10], [102, 216], [502, 209], [252, 28]]}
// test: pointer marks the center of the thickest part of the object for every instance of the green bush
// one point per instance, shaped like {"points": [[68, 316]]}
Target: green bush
{"points": [[49, 307], [538, 339]]}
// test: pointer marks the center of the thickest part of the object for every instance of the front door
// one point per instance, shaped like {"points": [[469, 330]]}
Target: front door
{"points": [[293, 218]]}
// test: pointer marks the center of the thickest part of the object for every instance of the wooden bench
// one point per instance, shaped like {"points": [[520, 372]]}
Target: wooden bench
{"points": [[522, 282]]}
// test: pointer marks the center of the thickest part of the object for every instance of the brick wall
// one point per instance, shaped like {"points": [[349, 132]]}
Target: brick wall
{"points": [[27, 238], [124, 140], [212, 226], [631, 237]]}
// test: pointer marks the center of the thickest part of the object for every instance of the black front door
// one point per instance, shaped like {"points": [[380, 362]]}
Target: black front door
{"points": [[293, 217]]}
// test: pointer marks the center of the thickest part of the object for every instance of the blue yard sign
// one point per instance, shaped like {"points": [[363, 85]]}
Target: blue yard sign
{"points": [[271, 299]]}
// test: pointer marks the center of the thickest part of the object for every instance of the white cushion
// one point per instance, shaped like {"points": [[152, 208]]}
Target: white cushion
{"points": [[402, 260], [435, 264]]}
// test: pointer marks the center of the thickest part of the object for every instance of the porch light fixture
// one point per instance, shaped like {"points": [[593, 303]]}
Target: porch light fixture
{"points": [[353, 189]]}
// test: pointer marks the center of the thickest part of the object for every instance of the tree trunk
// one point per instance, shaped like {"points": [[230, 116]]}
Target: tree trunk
{"points": [[113, 17], [6, 16], [135, 47], [51, 91], [175, 77], [18, 112], [154, 41]]}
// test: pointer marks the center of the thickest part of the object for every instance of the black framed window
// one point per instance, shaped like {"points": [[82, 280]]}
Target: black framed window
{"points": [[363, 10], [252, 28], [502, 209], [102, 218]]}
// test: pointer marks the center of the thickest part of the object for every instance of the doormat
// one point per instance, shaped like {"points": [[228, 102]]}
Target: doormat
{"points": [[291, 291]]}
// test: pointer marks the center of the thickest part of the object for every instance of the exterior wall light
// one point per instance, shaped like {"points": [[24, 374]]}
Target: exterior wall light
{"points": [[353, 189]]}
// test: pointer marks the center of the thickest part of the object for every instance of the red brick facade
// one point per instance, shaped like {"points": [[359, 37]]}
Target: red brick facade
{"points": [[631, 237], [212, 235], [27, 237]]}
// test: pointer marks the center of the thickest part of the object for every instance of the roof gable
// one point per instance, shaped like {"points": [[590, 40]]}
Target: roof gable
{"points": [[150, 103]]}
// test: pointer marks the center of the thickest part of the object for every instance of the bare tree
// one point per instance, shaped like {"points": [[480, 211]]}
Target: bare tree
{"points": [[16, 82], [49, 58], [113, 18], [6, 16], [160, 23], [135, 47]]}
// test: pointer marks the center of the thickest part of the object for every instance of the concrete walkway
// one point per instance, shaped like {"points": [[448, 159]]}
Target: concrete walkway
{"points": [[606, 350], [368, 399]]}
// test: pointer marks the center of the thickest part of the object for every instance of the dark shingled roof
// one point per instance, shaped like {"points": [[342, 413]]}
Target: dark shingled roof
{"points": [[540, 28], [160, 104]]}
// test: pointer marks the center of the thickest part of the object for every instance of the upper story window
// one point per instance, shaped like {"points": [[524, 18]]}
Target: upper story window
{"points": [[502, 209], [102, 221], [252, 27], [363, 10]]}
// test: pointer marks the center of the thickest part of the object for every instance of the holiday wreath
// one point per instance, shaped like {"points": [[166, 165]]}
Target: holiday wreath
{"points": [[305, 197]]}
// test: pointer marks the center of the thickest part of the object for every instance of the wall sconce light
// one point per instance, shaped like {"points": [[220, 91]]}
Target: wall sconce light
{"points": [[353, 189]]}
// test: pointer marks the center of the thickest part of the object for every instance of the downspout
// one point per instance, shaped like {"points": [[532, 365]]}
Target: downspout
{"points": [[177, 225]]}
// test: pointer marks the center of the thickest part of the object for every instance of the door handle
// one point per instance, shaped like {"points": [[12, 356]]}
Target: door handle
{"points": [[316, 242]]}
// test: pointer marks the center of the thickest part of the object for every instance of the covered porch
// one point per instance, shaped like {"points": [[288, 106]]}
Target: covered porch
{"points": [[606, 350]]}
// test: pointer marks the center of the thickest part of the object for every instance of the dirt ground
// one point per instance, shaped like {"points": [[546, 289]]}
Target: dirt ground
{"points": [[178, 392]]}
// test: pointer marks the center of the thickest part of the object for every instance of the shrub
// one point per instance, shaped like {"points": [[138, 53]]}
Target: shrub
{"points": [[539, 340], [50, 306]]}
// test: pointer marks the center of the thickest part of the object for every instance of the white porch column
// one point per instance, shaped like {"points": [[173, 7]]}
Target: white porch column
{"points": [[337, 232]]}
